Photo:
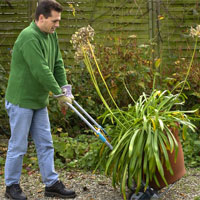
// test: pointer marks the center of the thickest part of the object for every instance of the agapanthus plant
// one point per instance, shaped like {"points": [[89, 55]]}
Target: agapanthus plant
{"points": [[141, 135]]}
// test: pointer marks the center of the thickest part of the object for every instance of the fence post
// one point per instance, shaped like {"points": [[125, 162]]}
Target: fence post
{"points": [[154, 30], [151, 32], [158, 33], [154, 23], [31, 9]]}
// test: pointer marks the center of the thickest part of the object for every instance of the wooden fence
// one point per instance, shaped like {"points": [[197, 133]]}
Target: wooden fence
{"points": [[164, 22]]}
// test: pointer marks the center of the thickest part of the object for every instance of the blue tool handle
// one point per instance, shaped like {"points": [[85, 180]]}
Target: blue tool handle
{"points": [[98, 134], [104, 130], [103, 139]]}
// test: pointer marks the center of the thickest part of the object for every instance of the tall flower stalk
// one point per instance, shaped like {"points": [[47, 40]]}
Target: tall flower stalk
{"points": [[81, 41], [195, 33]]}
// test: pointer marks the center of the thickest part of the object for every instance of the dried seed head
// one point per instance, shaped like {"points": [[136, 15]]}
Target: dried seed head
{"points": [[80, 41], [84, 49], [195, 32]]}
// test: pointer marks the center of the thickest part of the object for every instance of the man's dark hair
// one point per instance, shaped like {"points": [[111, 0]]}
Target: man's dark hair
{"points": [[45, 7]]}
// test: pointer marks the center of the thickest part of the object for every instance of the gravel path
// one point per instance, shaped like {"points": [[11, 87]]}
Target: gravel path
{"points": [[90, 186]]}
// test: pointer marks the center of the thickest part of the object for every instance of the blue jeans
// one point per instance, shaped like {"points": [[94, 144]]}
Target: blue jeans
{"points": [[22, 121]]}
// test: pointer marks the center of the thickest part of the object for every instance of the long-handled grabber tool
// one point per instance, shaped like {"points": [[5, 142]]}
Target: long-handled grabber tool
{"points": [[97, 131]]}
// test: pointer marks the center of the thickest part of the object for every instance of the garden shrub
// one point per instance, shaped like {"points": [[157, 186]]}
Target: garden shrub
{"points": [[79, 152], [124, 61], [191, 149], [4, 128]]}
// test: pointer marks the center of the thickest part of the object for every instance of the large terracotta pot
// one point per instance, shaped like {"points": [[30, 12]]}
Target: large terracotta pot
{"points": [[178, 167]]}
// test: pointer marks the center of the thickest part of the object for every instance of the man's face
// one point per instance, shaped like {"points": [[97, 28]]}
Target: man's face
{"points": [[49, 25]]}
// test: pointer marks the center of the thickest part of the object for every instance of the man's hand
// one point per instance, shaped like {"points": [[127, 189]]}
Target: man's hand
{"points": [[62, 103], [67, 90], [63, 99], [66, 96]]}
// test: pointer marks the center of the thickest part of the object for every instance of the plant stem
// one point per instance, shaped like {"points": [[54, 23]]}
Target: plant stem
{"points": [[190, 66], [105, 81], [90, 70], [128, 92], [154, 82]]}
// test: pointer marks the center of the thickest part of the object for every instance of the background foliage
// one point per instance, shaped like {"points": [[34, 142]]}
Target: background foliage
{"points": [[134, 41]]}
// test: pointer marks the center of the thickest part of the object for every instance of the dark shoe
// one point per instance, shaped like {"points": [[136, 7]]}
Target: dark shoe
{"points": [[15, 192], [58, 190], [148, 194]]}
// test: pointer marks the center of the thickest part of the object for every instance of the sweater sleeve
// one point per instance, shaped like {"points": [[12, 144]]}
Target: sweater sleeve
{"points": [[59, 70], [38, 66]]}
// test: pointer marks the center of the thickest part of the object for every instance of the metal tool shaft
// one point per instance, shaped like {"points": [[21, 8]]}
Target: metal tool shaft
{"points": [[89, 117], [98, 134]]}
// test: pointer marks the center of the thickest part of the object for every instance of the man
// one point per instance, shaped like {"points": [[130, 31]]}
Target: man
{"points": [[36, 69]]}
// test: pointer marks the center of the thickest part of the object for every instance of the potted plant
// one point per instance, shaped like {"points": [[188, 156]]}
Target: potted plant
{"points": [[143, 135], [144, 140]]}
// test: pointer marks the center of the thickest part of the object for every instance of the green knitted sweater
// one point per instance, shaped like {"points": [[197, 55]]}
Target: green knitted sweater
{"points": [[36, 69]]}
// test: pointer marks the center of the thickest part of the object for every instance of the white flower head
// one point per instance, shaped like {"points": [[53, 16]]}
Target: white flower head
{"points": [[195, 32], [80, 41]]}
